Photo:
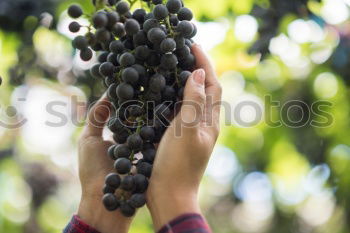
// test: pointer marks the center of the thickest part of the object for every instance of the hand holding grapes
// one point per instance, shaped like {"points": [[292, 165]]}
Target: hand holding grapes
{"points": [[145, 61], [182, 159], [94, 165]]}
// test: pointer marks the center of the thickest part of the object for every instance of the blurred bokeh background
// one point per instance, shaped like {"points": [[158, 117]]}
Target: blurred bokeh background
{"points": [[260, 179]]}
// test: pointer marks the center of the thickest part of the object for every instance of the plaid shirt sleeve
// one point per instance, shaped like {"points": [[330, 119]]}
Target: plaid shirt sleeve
{"points": [[76, 225], [187, 223]]}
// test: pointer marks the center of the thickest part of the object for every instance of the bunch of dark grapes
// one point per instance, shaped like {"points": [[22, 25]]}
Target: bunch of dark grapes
{"points": [[145, 59], [270, 19], [42, 182]]}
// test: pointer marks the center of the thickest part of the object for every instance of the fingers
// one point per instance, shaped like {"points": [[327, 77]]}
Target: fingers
{"points": [[203, 61], [212, 85], [194, 99], [97, 117], [213, 90]]}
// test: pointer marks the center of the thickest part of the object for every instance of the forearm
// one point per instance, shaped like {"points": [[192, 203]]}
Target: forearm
{"points": [[167, 205], [95, 215]]}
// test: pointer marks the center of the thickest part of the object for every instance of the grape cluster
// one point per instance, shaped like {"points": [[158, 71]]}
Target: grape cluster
{"points": [[271, 18], [145, 59]]}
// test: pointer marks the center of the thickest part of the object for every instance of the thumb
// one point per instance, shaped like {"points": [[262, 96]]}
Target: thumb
{"points": [[194, 99]]}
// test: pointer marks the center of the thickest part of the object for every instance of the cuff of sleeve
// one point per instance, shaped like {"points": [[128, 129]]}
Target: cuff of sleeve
{"points": [[186, 223], [77, 225]]}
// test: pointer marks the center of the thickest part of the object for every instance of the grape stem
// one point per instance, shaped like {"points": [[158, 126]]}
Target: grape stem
{"points": [[132, 3], [167, 21]]}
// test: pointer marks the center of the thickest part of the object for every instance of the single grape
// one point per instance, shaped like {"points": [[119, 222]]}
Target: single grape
{"points": [[112, 92], [145, 169], [122, 166], [118, 30], [106, 69], [127, 210], [127, 59], [184, 75], [169, 61], [107, 189], [113, 58], [137, 200], [149, 16], [110, 201], [103, 35], [142, 52], [183, 52], [103, 57], [149, 154], [128, 183], [122, 151], [188, 62], [110, 152], [174, 6], [141, 70], [160, 12], [95, 71], [131, 27], [156, 35], [139, 15], [149, 24], [141, 183], [113, 18], [194, 33], [157, 83], [185, 28], [174, 20], [121, 137], [113, 180], [140, 38], [135, 142], [116, 46], [115, 125], [75, 11], [185, 14], [125, 91], [100, 20], [168, 45], [147, 133], [128, 43], [86, 54], [123, 7], [80, 42], [74, 27], [130, 75]]}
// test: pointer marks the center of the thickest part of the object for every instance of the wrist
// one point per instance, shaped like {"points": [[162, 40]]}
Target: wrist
{"points": [[92, 212], [166, 205]]}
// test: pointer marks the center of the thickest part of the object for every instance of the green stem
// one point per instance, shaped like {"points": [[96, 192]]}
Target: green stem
{"points": [[167, 21]]}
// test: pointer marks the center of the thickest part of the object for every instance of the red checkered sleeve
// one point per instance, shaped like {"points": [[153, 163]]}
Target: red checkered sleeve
{"points": [[187, 223], [76, 225]]}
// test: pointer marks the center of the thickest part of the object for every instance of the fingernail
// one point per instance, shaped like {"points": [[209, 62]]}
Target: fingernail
{"points": [[199, 76], [197, 45]]}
